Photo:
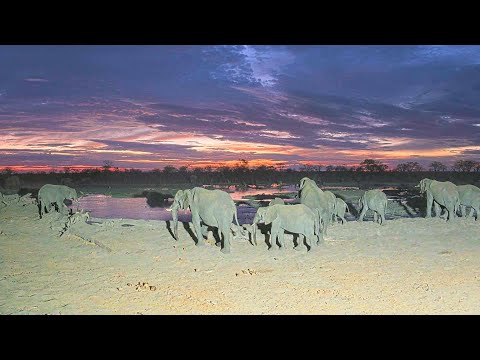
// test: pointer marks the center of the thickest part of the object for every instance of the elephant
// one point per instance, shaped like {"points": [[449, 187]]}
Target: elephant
{"points": [[468, 196], [209, 208], [298, 219], [55, 194], [276, 201], [340, 208], [332, 200], [316, 199], [442, 193], [375, 200]]}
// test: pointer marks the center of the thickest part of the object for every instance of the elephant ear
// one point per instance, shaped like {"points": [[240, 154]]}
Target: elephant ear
{"points": [[424, 185], [178, 199], [302, 183], [270, 215], [187, 198]]}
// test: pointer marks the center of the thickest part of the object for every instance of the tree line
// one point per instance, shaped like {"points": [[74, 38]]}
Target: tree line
{"points": [[370, 172]]}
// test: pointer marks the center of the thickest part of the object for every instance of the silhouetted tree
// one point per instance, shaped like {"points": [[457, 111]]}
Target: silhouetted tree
{"points": [[107, 165], [463, 165], [169, 169], [410, 166], [437, 166], [8, 171], [477, 166], [372, 165]]}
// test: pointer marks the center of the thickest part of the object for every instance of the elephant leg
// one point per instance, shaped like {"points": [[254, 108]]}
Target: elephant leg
{"points": [[310, 239], [42, 208], [450, 213], [473, 209], [63, 209], [227, 237], [375, 217], [281, 238], [476, 210], [299, 242], [343, 220], [325, 228], [273, 235], [438, 209], [382, 217], [463, 210], [204, 231], [362, 214], [198, 229], [429, 204]]}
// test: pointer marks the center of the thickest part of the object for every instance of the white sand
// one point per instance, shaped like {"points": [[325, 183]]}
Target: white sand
{"points": [[407, 266]]}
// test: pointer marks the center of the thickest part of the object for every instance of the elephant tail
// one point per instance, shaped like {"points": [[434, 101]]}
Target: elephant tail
{"points": [[347, 208]]}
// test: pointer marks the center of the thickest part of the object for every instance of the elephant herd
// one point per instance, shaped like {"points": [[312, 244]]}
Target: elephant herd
{"points": [[310, 217], [451, 197]]}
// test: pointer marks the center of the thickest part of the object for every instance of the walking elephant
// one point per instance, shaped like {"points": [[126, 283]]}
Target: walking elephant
{"points": [[440, 193], [316, 199], [298, 219], [375, 200], [468, 195], [209, 208], [341, 208], [55, 195]]}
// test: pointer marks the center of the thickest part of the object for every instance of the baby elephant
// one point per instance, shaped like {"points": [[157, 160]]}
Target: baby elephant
{"points": [[374, 200], [340, 209], [298, 219]]}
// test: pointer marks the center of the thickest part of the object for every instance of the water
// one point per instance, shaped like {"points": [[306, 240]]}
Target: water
{"points": [[402, 203], [103, 206]]}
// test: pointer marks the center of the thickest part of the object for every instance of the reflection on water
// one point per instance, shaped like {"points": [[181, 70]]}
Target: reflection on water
{"points": [[241, 194]]}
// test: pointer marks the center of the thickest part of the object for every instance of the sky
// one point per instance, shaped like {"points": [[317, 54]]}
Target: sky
{"points": [[146, 107]]}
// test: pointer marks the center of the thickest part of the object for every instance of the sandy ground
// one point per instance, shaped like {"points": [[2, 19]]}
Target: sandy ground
{"points": [[407, 266]]}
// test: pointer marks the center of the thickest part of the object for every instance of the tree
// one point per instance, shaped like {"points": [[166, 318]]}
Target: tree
{"points": [[372, 165], [410, 166], [8, 171], [107, 165], [329, 168], [242, 163], [169, 169], [477, 166], [464, 165], [307, 168], [436, 166]]}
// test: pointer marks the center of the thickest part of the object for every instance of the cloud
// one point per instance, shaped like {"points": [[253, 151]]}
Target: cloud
{"points": [[35, 80], [154, 103]]}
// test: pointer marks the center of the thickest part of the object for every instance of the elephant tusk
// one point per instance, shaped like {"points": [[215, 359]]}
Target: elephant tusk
{"points": [[168, 209]]}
